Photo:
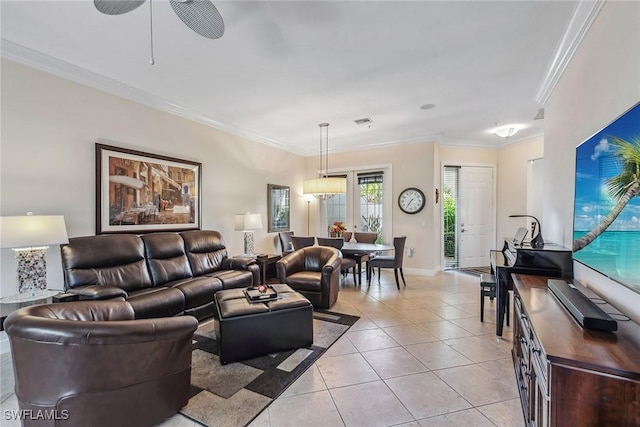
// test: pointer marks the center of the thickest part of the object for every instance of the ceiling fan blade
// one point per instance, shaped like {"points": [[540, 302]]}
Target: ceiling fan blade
{"points": [[117, 7], [201, 16]]}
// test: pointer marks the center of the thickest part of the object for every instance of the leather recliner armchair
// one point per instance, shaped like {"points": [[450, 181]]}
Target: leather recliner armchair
{"points": [[89, 363], [314, 272]]}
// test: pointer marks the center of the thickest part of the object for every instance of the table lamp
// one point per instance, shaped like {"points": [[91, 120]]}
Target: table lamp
{"points": [[537, 241], [247, 223], [29, 237]]}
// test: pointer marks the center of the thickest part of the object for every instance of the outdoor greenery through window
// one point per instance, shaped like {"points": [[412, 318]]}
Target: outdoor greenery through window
{"points": [[367, 195], [449, 206], [371, 203]]}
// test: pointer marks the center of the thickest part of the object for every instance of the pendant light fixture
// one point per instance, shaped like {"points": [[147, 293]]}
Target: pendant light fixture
{"points": [[324, 186]]}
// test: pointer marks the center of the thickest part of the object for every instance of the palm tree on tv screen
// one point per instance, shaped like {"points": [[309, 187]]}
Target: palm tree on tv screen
{"points": [[622, 187]]}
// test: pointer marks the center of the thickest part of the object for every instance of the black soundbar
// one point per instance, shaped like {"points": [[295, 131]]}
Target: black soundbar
{"points": [[585, 311]]}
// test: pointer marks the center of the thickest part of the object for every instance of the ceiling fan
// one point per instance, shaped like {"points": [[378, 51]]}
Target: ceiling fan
{"points": [[199, 15]]}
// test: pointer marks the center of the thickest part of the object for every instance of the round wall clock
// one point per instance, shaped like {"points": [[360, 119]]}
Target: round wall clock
{"points": [[411, 200]]}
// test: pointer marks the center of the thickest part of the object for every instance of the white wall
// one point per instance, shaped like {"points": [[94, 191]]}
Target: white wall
{"points": [[600, 83], [512, 184], [50, 125], [411, 166]]}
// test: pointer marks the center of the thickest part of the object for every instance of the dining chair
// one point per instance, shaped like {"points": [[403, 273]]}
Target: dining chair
{"points": [[385, 261], [285, 242], [302, 242], [366, 237], [347, 263], [346, 235]]}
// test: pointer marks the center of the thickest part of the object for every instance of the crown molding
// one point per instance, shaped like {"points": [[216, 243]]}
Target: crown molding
{"points": [[461, 143], [583, 16], [34, 59]]}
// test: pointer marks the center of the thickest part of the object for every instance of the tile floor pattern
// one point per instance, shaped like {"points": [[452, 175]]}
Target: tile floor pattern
{"points": [[417, 357]]}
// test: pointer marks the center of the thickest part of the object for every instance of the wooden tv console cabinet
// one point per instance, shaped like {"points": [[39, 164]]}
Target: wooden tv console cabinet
{"points": [[567, 375]]}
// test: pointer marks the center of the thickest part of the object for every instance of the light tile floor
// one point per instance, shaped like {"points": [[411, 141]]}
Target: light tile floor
{"points": [[418, 356]]}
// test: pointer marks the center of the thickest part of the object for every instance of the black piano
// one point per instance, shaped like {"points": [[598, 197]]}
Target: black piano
{"points": [[550, 260]]}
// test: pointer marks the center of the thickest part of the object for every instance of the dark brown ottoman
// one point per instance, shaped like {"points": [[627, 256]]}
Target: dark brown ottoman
{"points": [[252, 329]]}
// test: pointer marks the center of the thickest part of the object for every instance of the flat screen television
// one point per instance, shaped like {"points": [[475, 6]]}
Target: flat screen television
{"points": [[606, 220]]}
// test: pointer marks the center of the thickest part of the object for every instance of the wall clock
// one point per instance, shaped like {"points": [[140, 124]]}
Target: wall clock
{"points": [[411, 200]]}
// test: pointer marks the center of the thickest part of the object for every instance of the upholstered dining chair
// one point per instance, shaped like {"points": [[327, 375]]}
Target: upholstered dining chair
{"points": [[302, 242], [365, 237], [385, 261], [93, 361], [347, 263], [346, 235], [285, 242]]}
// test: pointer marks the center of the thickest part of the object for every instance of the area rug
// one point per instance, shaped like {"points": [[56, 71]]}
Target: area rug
{"points": [[234, 394]]}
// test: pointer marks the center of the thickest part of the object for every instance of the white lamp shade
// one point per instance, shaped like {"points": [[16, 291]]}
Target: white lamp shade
{"points": [[32, 230], [328, 185], [248, 221]]}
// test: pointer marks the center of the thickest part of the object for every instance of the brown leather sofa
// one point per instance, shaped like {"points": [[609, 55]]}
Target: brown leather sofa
{"points": [[314, 272], [90, 363], [159, 274]]}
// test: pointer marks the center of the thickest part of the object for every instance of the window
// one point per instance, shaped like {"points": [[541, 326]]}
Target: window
{"points": [[449, 216], [363, 205], [371, 192]]}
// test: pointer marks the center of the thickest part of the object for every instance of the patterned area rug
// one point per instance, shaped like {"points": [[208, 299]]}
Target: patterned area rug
{"points": [[234, 394]]}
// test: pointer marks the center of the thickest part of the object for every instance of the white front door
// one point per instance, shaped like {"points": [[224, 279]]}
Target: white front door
{"points": [[475, 209]]}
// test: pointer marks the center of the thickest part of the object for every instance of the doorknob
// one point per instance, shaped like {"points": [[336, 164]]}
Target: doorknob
{"points": [[462, 230]]}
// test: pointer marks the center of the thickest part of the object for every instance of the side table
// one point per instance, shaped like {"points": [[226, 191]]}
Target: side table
{"points": [[14, 302], [267, 266]]}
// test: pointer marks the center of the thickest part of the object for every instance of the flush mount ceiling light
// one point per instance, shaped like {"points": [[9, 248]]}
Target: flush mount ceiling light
{"points": [[324, 186], [507, 131], [199, 15], [427, 106]]}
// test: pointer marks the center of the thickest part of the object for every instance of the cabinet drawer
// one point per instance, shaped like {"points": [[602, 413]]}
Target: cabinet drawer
{"points": [[540, 363]]}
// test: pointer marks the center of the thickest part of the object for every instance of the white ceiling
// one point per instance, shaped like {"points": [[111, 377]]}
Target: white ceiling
{"points": [[282, 68]]}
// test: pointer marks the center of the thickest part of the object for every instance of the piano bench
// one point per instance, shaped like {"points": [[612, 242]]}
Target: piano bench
{"points": [[488, 288]]}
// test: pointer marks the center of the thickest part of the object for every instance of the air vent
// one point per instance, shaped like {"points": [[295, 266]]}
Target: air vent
{"points": [[365, 121]]}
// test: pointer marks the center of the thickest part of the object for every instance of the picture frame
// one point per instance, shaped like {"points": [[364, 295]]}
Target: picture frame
{"points": [[138, 192], [279, 206]]}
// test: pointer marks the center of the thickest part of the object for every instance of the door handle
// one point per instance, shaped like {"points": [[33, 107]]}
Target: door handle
{"points": [[462, 230]]}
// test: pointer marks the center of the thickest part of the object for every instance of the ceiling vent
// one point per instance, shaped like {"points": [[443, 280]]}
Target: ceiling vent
{"points": [[365, 121]]}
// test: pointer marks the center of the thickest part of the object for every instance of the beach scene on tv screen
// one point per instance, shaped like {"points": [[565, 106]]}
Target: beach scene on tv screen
{"points": [[606, 226]]}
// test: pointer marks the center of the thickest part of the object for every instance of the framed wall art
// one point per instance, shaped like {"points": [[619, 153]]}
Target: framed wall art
{"points": [[278, 201], [139, 192]]}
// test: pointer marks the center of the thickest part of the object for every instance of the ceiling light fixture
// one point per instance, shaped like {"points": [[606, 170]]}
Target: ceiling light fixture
{"points": [[324, 186], [427, 106], [507, 131]]}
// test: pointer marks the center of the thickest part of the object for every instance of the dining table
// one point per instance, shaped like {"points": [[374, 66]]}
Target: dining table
{"points": [[360, 252]]}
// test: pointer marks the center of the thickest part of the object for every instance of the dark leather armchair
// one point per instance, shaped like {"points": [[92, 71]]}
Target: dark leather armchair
{"points": [[92, 364], [347, 263], [394, 261], [314, 272]]}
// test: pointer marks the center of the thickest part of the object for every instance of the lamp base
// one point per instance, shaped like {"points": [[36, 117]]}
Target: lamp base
{"points": [[248, 243], [31, 270]]}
